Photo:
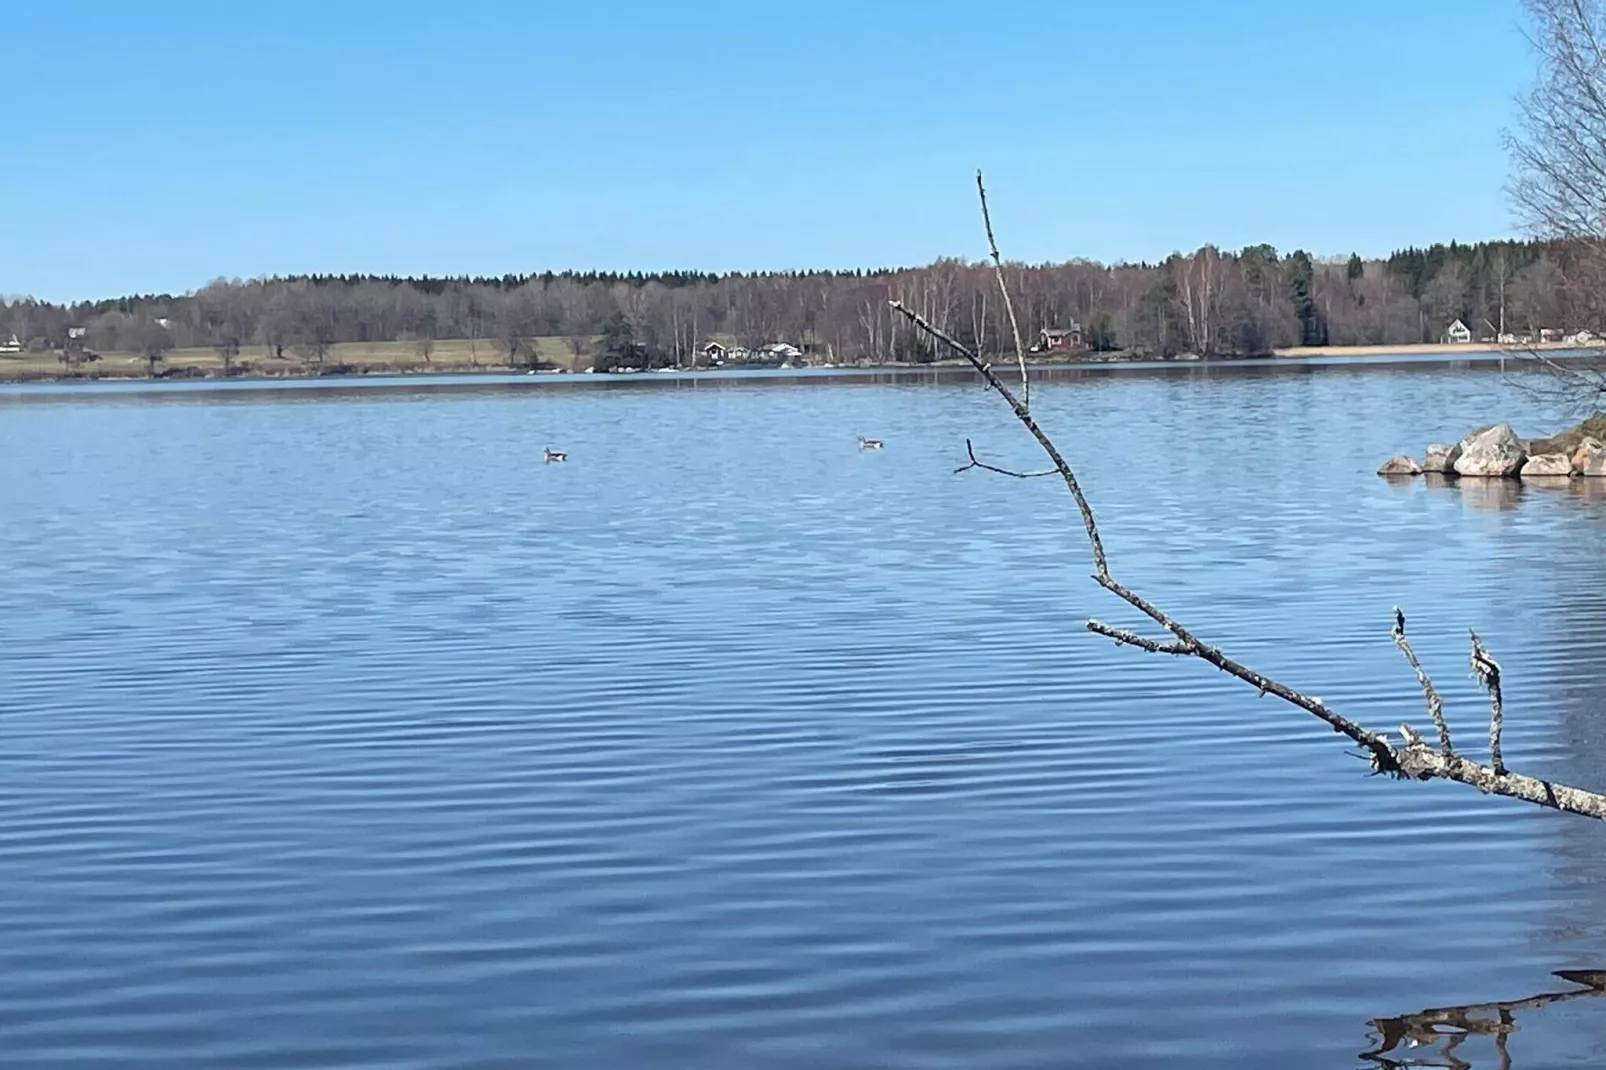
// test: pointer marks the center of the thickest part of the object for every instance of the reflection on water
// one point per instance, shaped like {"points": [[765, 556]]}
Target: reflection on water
{"points": [[1436, 1037], [340, 731], [1490, 494]]}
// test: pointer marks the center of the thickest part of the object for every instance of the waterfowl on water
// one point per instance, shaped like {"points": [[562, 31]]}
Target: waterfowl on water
{"points": [[869, 443], [552, 455]]}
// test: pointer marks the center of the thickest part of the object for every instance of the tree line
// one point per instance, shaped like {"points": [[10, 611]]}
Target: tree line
{"points": [[1211, 302]]}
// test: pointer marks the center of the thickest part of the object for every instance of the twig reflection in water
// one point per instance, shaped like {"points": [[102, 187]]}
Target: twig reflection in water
{"points": [[1439, 1033]]}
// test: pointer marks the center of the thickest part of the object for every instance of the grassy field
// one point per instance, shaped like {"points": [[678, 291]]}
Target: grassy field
{"points": [[456, 354]]}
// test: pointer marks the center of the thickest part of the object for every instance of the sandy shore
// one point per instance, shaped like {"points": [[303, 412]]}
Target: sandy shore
{"points": [[1440, 348]]}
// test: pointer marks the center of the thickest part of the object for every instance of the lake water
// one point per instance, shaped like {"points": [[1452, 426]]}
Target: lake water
{"points": [[336, 730]]}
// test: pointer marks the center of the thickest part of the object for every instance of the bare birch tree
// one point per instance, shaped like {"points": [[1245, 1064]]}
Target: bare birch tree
{"points": [[1559, 188], [1559, 149]]}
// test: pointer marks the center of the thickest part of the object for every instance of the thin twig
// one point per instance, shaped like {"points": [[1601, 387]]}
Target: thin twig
{"points": [[1009, 305], [1487, 670], [974, 463], [1435, 703], [1578, 385], [1123, 637]]}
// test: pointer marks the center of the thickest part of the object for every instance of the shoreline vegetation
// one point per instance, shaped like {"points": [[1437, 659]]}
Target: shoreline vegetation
{"points": [[1211, 304], [553, 356]]}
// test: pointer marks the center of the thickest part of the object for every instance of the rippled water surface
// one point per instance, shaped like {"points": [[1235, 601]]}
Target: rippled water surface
{"points": [[336, 730]]}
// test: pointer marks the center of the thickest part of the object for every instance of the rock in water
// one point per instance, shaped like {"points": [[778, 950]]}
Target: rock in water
{"points": [[1496, 453], [1542, 465], [1590, 449], [1441, 459], [1399, 465]]}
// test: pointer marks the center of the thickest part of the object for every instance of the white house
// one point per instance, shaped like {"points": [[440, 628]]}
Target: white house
{"points": [[11, 345], [1457, 334]]}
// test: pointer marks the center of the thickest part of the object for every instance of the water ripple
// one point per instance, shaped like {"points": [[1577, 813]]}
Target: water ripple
{"points": [[423, 754]]}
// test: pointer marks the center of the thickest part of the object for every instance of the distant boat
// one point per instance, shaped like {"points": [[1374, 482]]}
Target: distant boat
{"points": [[552, 456], [869, 443]]}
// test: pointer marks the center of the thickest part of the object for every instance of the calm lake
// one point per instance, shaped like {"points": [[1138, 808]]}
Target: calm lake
{"points": [[336, 730]]}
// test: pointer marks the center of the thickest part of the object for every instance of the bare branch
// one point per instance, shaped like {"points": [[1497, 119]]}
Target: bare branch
{"points": [[1412, 760], [1009, 304], [1487, 670], [984, 466], [1435, 703]]}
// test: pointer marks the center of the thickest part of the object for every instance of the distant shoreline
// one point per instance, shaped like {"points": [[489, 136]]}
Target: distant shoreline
{"points": [[203, 366]]}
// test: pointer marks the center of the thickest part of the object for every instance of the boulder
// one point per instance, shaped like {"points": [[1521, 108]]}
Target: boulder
{"points": [[1544, 465], [1496, 453], [1400, 465], [1441, 459], [1595, 467], [1589, 449]]}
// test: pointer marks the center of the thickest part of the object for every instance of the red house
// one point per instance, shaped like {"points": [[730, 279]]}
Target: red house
{"points": [[1052, 338]]}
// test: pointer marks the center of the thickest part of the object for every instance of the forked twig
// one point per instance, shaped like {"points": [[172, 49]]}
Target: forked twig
{"points": [[1413, 759], [975, 463]]}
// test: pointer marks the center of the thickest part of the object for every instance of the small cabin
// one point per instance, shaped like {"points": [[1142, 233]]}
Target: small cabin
{"points": [[1457, 334], [1051, 338], [714, 353]]}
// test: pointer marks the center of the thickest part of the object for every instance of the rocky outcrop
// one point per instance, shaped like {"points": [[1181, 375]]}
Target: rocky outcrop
{"points": [[1496, 453], [1568, 441], [1441, 458], [1590, 449], [1548, 466]]}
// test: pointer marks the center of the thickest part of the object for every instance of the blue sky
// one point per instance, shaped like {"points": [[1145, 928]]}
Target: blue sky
{"points": [[155, 146]]}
